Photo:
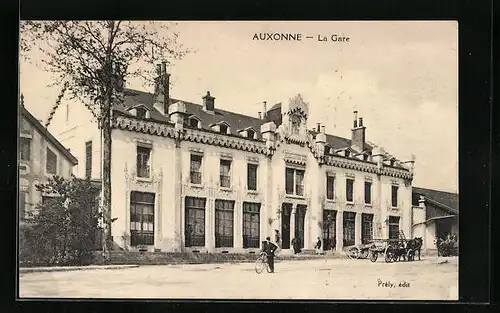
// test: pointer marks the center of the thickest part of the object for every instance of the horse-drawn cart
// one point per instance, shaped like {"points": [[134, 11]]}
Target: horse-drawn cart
{"points": [[392, 249]]}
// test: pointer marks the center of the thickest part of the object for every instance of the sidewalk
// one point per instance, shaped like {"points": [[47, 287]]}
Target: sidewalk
{"points": [[24, 270]]}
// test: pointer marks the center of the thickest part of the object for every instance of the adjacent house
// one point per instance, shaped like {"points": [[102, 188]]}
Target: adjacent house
{"points": [[41, 156], [435, 215], [193, 177]]}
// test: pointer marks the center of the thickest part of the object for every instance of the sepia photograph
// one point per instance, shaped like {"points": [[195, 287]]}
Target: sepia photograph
{"points": [[269, 160]]}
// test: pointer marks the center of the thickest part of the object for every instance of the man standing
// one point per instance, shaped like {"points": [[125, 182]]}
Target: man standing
{"points": [[318, 246], [269, 248]]}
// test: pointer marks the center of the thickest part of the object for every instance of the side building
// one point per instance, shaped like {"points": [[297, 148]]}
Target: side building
{"points": [[192, 177], [435, 215], [41, 156]]}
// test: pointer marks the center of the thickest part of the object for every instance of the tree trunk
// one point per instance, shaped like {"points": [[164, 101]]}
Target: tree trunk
{"points": [[106, 176]]}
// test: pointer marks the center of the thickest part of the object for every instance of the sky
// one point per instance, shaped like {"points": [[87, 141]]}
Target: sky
{"points": [[402, 78]]}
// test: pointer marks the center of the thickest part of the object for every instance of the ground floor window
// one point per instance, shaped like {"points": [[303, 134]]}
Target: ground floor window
{"points": [[142, 218], [366, 228], [393, 227], [195, 222], [329, 223], [224, 223], [251, 225], [349, 228]]}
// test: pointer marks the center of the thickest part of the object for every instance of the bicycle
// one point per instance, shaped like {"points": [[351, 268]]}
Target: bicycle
{"points": [[261, 263]]}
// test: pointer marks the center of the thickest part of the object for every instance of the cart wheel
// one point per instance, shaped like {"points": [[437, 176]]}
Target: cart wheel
{"points": [[373, 256], [389, 255], [353, 253]]}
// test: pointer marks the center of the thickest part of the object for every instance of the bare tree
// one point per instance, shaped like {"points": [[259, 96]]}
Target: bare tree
{"points": [[90, 60]]}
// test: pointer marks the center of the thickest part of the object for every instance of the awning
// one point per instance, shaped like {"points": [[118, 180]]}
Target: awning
{"points": [[439, 218]]}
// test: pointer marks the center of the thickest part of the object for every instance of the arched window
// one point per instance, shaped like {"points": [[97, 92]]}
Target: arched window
{"points": [[141, 112], [250, 134], [193, 122]]}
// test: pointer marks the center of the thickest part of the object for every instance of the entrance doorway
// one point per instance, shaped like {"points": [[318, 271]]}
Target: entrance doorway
{"points": [[299, 224], [286, 210]]}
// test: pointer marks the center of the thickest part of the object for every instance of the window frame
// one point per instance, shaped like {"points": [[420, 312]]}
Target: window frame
{"points": [[255, 168], [194, 240], [228, 177], [139, 237], [224, 213], [349, 227], [56, 165], [347, 181], [366, 228], [391, 223], [192, 172], [27, 142], [295, 182], [394, 196], [139, 164], [250, 210], [370, 184], [330, 194]]}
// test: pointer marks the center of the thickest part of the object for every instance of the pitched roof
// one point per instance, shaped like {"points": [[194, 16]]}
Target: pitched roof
{"points": [[45, 133], [447, 200], [236, 121]]}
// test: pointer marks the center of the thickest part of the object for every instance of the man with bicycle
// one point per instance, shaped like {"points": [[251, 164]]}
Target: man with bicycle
{"points": [[269, 248]]}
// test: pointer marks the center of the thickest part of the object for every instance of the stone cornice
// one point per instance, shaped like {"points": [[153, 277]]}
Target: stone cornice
{"points": [[210, 138], [366, 167]]}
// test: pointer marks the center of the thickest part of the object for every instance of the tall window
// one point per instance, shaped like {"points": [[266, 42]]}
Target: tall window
{"points": [[142, 218], [294, 181], [329, 228], [143, 161], [22, 205], [349, 190], [366, 228], [51, 164], [330, 187], [195, 222], [252, 176], [225, 173], [88, 159], [251, 225], [224, 218], [349, 228], [195, 169], [368, 192], [393, 227], [25, 148], [394, 196]]}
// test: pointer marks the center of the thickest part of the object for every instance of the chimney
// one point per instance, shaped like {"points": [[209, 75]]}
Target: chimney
{"points": [[318, 129], [162, 88], [260, 115], [208, 102], [323, 129], [165, 80], [264, 114], [358, 134]]}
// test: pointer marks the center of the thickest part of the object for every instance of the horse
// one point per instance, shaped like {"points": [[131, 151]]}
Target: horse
{"points": [[413, 246]]}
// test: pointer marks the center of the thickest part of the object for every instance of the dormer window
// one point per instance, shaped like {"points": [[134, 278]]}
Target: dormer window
{"points": [[141, 112], [392, 162], [328, 150], [295, 123], [347, 153], [194, 122], [250, 134], [223, 129]]}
